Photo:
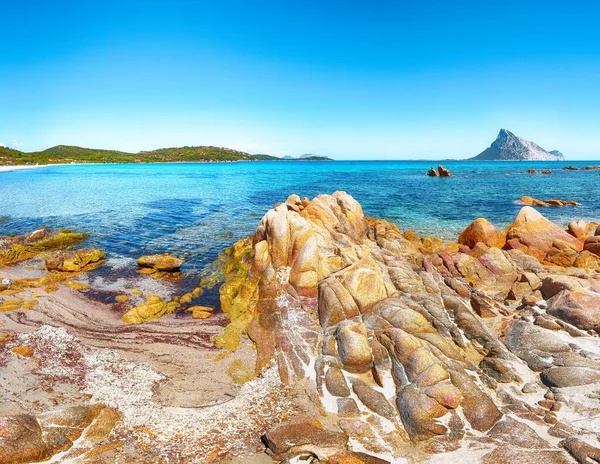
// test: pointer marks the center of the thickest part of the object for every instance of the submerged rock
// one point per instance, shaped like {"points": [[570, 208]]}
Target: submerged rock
{"points": [[23, 247], [75, 261]]}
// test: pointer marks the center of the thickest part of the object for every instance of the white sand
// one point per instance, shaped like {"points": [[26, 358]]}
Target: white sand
{"points": [[30, 166], [17, 168]]}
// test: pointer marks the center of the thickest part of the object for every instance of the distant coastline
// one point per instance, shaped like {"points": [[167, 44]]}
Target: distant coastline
{"points": [[67, 154]]}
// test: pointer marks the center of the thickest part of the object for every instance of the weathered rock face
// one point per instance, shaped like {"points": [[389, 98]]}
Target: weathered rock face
{"points": [[26, 438], [75, 261], [580, 308], [592, 244], [404, 342]]}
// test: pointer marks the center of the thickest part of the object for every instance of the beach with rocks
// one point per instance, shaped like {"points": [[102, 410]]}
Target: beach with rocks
{"points": [[339, 338]]}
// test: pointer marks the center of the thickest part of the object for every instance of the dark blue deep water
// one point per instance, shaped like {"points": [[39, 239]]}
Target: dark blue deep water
{"points": [[198, 209]]}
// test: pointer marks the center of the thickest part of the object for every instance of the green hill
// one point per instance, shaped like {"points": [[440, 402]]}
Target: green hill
{"points": [[64, 154], [193, 154]]}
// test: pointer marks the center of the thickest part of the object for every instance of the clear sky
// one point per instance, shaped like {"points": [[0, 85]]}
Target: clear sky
{"points": [[348, 79]]}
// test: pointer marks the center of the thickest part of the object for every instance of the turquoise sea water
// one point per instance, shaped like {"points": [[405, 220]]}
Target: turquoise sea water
{"points": [[199, 209]]}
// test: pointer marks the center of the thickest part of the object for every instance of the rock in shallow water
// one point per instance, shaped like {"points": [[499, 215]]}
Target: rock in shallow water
{"points": [[75, 261], [161, 263]]}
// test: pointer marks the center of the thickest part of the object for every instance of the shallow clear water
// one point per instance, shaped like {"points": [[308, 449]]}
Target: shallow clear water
{"points": [[199, 209]]}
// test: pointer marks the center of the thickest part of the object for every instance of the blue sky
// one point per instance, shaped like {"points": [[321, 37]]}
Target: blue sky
{"points": [[353, 80]]}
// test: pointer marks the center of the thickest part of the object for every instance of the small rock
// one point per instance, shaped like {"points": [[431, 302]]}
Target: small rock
{"points": [[347, 407], [162, 263], [529, 387], [25, 351]]}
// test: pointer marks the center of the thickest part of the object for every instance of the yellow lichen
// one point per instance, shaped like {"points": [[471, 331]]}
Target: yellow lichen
{"points": [[153, 308], [26, 351], [23, 251], [11, 305], [239, 373], [77, 286], [30, 304]]}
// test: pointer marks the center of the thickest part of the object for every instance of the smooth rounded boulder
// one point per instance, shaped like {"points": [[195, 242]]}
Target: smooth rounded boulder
{"points": [[481, 230]]}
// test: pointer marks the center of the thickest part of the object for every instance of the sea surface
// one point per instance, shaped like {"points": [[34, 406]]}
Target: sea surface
{"points": [[197, 209]]}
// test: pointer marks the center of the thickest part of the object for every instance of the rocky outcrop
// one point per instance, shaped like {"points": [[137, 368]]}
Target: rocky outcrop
{"points": [[441, 172], [584, 168], [75, 261], [544, 171], [27, 438], [401, 340], [530, 201], [23, 247], [509, 147]]}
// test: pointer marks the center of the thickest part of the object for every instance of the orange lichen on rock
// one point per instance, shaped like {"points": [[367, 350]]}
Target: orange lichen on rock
{"points": [[25, 351]]}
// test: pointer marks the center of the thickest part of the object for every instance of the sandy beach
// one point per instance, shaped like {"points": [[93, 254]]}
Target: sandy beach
{"points": [[17, 168]]}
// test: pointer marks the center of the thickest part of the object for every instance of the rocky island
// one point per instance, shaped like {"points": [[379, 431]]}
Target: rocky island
{"points": [[371, 345], [509, 147]]}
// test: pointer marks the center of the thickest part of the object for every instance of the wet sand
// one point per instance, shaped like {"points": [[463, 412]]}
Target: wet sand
{"points": [[166, 376]]}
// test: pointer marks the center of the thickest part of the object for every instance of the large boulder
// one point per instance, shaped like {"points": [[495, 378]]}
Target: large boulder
{"points": [[592, 244], [570, 376], [304, 437], [581, 229], [535, 235], [578, 307], [482, 230], [27, 438], [443, 171]]}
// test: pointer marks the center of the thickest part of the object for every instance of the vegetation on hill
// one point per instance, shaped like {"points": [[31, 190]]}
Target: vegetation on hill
{"points": [[61, 154], [193, 154]]}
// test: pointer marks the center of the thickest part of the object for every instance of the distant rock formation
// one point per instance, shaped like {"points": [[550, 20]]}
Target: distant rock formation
{"points": [[509, 147], [441, 172]]}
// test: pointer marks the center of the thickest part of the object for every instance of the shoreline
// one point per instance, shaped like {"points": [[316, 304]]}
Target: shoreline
{"points": [[513, 309], [21, 167]]}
